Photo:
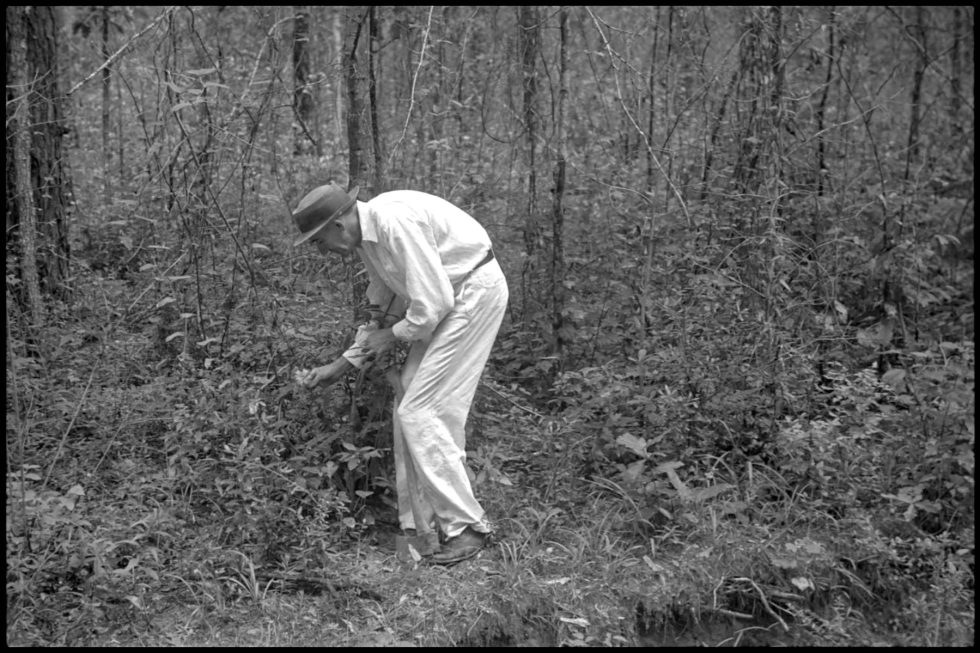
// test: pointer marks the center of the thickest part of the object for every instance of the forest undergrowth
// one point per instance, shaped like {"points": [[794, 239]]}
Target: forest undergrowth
{"points": [[715, 471]]}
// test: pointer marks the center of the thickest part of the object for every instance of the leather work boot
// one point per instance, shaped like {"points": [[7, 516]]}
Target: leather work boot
{"points": [[462, 547]]}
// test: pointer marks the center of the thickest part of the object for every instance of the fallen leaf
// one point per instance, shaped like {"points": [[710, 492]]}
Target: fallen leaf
{"points": [[633, 443], [893, 377], [802, 583], [416, 556]]}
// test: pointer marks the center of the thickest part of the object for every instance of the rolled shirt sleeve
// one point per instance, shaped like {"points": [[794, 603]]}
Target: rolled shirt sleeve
{"points": [[430, 294], [356, 354]]}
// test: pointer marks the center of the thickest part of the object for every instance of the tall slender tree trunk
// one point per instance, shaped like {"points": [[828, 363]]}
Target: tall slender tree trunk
{"points": [[651, 97], [715, 129], [374, 62], [778, 71], [23, 216], [170, 63], [357, 163], [955, 74], [668, 96], [558, 219], [822, 106], [106, 102], [338, 40], [528, 18], [303, 105], [318, 79], [358, 173], [120, 130], [436, 111], [49, 177], [761, 70], [915, 110], [819, 218]]}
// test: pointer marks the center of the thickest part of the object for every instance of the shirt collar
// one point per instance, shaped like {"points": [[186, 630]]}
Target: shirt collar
{"points": [[369, 222]]}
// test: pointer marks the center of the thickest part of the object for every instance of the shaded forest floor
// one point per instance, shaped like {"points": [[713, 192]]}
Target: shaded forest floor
{"points": [[161, 493]]}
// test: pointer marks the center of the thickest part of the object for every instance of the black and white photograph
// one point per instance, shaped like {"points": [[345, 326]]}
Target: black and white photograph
{"points": [[490, 326]]}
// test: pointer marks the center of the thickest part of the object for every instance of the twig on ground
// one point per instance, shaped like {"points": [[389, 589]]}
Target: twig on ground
{"points": [[503, 396], [732, 613], [765, 602], [78, 409]]}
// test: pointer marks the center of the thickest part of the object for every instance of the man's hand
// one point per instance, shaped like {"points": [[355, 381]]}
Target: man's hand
{"points": [[325, 375], [378, 342]]}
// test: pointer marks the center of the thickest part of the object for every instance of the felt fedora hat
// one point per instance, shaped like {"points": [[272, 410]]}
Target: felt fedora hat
{"points": [[320, 207]]}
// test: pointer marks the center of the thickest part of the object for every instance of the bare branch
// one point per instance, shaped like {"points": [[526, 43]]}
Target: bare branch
{"points": [[646, 140], [411, 95], [118, 53]]}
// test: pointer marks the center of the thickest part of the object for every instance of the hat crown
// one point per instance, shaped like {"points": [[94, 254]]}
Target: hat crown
{"points": [[320, 206]]}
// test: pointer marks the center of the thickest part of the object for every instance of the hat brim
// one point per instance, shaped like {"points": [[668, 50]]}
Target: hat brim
{"points": [[352, 199]]}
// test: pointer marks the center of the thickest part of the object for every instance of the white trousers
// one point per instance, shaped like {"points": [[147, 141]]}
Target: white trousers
{"points": [[439, 379]]}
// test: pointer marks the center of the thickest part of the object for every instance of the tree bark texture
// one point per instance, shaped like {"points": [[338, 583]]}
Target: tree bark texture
{"points": [[761, 82], [918, 33], [529, 34], [955, 73], [822, 106], [558, 219], [303, 105], [357, 163], [49, 181], [651, 98], [106, 104], [374, 62], [338, 41], [21, 224]]}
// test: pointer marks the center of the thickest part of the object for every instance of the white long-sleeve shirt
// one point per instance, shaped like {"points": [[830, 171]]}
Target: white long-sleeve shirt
{"points": [[418, 247]]}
